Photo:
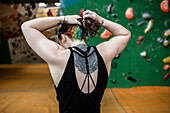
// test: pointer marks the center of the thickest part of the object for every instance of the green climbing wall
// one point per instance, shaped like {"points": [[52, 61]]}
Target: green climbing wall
{"points": [[131, 63]]}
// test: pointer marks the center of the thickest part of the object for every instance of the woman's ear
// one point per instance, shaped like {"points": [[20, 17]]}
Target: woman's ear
{"points": [[63, 38]]}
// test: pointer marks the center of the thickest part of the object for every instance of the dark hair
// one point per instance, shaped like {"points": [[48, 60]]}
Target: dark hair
{"points": [[89, 27]]}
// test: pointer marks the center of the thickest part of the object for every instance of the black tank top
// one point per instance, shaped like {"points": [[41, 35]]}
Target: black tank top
{"points": [[71, 98]]}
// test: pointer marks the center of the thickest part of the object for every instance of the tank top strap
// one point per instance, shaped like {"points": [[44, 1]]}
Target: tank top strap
{"points": [[71, 49], [85, 53], [98, 54]]}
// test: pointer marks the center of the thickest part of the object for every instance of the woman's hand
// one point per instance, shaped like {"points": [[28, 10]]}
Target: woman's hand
{"points": [[92, 15], [72, 19]]}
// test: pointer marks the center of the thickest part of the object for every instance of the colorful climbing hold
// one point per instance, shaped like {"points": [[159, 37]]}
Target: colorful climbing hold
{"points": [[166, 33], [166, 60], [167, 75], [141, 23], [164, 6], [160, 40], [165, 42], [143, 54], [81, 12], [138, 42], [141, 38], [149, 59], [129, 13], [149, 26], [106, 34], [146, 16], [166, 67], [109, 10]]}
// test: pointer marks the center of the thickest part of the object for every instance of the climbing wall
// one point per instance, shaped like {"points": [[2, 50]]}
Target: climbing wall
{"points": [[141, 62], [13, 46]]}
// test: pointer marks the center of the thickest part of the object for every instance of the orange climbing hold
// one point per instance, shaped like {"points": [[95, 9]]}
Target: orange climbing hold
{"points": [[129, 13], [164, 6], [123, 74], [166, 60], [166, 67], [106, 34]]}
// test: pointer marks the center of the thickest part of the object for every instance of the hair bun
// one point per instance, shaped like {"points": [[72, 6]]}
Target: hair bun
{"points": [[90, 27]]}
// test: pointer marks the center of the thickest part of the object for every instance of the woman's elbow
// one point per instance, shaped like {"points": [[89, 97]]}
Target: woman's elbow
{"points": [[24, 26], [128, 34]]}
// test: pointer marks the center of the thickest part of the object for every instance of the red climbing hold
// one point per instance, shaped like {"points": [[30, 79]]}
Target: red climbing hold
{"points": [[81, 12], [167, 75], [139, 43], [49, 13], [106, 34], [164, 6], [129, 13]]}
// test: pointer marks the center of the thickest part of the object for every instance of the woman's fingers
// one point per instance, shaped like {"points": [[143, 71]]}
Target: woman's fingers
{"points": [[89, 16], [87, 12]]}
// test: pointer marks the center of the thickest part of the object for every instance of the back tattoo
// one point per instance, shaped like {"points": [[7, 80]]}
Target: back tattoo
{"points": [[80, 62]]}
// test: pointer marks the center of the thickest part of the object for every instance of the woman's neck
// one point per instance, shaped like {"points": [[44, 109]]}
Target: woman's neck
{"points": [[77, 42]]}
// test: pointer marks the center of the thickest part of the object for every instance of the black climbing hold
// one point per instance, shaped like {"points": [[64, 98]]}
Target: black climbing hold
{"points": [[131, 79], [129, 72], [130, 24], [32, 54], [114, 64], [25, 52], [114, 15], [33, 5], [113, 81], [15, 34], [29, 13], [13, 52], [28, 56], [34, 59], [151, 0], [19, 14]]}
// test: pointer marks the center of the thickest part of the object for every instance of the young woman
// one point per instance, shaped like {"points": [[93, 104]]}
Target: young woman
{"points": [[80, 72]]}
